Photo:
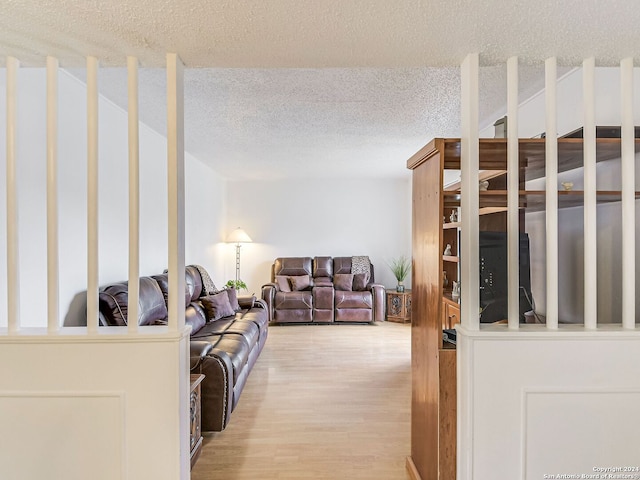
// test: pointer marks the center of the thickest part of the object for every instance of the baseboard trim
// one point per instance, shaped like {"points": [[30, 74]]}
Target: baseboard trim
{"points": [[412, 470]]}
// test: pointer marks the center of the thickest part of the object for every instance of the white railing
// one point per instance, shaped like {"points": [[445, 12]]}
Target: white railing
{"points": [[175, 158], [470, 198]]}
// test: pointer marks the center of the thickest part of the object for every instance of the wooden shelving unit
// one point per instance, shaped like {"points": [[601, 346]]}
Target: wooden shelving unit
{"points": [[434, 307]]}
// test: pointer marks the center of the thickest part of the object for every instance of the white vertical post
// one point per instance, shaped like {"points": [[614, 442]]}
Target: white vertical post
{"points": [[13, 257], [551, 155], [134, 195], [469, 159], [628, 197], [92, 195], [513, 186], [590, 200], [175, 158], [52, 196]]}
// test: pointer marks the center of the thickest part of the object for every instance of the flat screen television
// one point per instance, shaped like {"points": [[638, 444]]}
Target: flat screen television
{"points": [[493, 276]]}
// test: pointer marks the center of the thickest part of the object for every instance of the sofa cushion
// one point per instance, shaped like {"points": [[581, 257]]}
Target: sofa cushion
{"points": [[292, 266], [300, 282], [322, 282], [353, 300], [195, 316], [114, 303], [217, 305], [343, 281], [232, 293], [163, 283], [151, 307], [322, 267], [360, 281], [283, 283], [341, 265], [293, 300]]}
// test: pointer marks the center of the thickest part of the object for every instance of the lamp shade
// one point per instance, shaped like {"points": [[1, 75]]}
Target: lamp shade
{"points": [[238, 236]]}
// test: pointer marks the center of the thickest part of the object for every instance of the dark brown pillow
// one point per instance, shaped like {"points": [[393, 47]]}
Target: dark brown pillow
{"points": [[343, 281], [233, 298], [217, 306], [300, 282], [360, 281], [283, 283]]}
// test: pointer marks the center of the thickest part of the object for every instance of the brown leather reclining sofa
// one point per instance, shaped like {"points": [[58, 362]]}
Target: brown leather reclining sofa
{"points": [[228, 333], [322, 290]]}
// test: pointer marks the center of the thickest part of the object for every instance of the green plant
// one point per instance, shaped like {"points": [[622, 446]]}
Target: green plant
{"points": [[237, 284], [400, 267]]}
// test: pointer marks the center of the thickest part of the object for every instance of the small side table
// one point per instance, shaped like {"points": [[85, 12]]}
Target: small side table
{"points": [[399, 306], [195, 436]]}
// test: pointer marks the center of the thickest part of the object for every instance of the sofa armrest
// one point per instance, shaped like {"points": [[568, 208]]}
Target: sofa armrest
{"points": [[269, 297], [246, 301], [379, 299], [198, 350]]}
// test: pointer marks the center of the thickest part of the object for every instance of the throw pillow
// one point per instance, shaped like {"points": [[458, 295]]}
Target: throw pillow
{"points": [[360, 281], [343, 281], [283, 283], [217, 306], [300, 282], [233, 298]]}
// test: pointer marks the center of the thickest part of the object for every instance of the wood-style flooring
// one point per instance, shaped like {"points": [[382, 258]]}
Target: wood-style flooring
{"points": [[322, 402]]}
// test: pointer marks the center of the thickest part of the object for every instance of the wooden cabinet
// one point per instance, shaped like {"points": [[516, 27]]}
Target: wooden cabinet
{"points": [[399, 306], [195, 436], [435, 270], [450, 313]]}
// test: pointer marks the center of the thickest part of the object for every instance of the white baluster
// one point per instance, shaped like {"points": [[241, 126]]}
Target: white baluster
{"points": [[551, 161], [469, 159]]}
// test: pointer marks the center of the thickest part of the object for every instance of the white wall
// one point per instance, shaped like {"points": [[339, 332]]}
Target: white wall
{"points": [[205, 194], [315, 217]]}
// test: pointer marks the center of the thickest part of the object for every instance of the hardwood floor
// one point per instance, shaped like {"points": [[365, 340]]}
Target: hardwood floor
{"points": [[322, 402]]}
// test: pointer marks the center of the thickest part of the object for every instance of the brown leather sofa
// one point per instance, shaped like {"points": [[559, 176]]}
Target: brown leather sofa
{"points": [[226, 338], [322, 290]]}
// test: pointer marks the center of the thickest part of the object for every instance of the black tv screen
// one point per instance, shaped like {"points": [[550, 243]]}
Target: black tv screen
{"points": [[493, 276]]}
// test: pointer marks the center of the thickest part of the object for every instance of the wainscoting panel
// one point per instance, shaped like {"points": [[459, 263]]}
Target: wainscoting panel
{"points": [[557, 440], [534, 402], [70, 435]]}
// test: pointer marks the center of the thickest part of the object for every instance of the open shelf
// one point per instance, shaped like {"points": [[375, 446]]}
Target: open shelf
{"points": [[532, 200], [493, 154], [450, 258]]}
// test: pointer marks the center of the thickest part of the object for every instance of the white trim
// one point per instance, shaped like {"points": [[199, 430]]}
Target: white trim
{"points": [[134, 195], [53, 275], [590, 200], [551, 194], [175, 173], [111, 335], [13, 240], [513, 184], [628, 196], [92, 196], [469, 161]]}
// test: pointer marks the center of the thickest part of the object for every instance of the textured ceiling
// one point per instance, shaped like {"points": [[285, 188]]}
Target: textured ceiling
{"points": [[301, 87]]}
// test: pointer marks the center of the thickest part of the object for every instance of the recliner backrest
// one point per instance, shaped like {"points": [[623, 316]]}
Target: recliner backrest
{"points": [[343, 265], [291, 266]]}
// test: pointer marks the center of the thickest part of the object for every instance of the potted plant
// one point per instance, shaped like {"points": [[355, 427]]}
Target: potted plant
{"points": [[237, 284], [400, 267]]}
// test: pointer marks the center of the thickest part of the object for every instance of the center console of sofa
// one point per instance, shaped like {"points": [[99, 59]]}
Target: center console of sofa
{"points": [[323, 290]]}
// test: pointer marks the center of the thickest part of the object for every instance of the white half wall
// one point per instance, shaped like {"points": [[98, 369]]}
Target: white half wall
{"points": [[319, 217], [78, 407], [204, 199], [535, 403]]}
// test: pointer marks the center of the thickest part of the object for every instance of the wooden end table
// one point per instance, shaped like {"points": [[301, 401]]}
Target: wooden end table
{"points": [[195, 436], [399, 306]]}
